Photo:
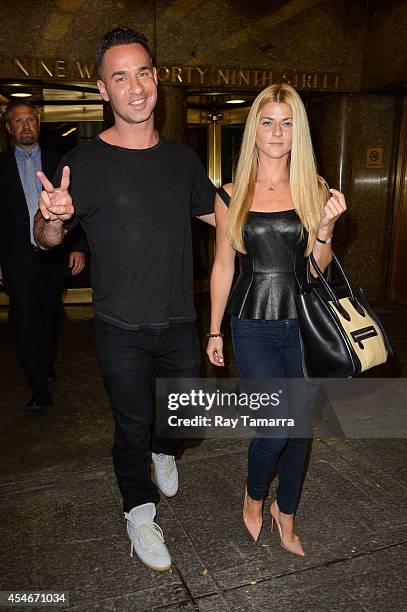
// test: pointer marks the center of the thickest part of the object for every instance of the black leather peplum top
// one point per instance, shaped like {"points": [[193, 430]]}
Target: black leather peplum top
{"points": [[267, 285]]}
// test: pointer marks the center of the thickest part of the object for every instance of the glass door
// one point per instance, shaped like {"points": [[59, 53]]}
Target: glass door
{"points": [[70, 114], [215, 131]]}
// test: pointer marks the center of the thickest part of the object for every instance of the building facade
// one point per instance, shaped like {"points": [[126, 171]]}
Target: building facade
{"points": [[347, 58]]}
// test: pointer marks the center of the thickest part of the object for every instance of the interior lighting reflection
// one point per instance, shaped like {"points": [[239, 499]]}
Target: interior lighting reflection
{"points": [[21, 94], [69, 131]]}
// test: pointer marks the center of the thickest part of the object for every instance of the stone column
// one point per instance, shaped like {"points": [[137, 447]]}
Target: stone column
{"points": [[330, 118], [331, 126], [171, 112]]}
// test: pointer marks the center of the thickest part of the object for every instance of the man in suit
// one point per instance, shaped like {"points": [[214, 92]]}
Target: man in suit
{"points": [[33, 279]]}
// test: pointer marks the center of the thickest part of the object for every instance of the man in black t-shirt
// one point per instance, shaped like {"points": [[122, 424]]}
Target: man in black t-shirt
{"points": [[134, 192]]}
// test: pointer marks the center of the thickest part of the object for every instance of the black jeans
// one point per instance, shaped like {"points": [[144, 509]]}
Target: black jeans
{"points": [[271, 349], [130, 361]]}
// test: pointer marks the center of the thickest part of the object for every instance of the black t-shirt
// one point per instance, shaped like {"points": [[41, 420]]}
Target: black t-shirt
{"points": [[135, 206]]}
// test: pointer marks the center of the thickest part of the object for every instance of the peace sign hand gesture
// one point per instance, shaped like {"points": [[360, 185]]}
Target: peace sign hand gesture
{"points": [[55, 202]]}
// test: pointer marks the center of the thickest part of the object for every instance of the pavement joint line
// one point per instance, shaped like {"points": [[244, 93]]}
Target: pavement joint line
{"points": [[179, 603], [157, 586], [188, 539], [262, 580], [352, 464], [307, 569], [365, 553], [72, 476], [201, 459], [115, 599], [36, 564], [354, 556], [186, 587], [356, 600], [226, 453]]}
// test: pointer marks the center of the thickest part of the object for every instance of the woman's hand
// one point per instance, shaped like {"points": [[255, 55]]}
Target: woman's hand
{"points": [[214, 350], [333, 209]]}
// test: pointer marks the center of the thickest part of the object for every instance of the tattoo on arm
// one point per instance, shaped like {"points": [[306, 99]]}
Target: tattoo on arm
{"points": [[48, 234]]}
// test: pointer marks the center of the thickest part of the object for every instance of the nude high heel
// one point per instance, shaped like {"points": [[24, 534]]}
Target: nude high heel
{"points": [[295, 546], [253, 527]]}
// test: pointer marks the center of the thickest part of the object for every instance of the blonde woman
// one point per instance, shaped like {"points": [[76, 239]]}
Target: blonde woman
{"points": [[276, 213]]}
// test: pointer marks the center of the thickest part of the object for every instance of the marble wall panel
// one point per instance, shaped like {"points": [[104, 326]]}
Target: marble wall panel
{"points": [[386, 45], [344, 126], [294, 35]]}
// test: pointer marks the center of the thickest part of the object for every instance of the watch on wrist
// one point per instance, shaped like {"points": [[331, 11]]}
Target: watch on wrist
{"points": [[327, 241]]}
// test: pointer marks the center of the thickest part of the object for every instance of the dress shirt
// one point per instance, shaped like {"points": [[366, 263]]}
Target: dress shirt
{"points": [[35, 155]]}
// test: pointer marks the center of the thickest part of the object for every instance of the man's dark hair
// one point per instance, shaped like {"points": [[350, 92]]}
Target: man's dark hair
{"points": [[116, 37], [16, 103]]}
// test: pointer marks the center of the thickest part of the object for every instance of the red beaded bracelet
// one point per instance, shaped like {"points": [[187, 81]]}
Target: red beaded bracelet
{"points": [[219, 335]]}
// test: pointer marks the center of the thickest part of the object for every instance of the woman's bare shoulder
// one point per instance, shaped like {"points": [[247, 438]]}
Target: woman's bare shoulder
{"points": [[228, 187]]}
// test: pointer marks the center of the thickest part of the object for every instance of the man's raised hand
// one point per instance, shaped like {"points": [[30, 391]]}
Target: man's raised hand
{"points": [[55, 202]]}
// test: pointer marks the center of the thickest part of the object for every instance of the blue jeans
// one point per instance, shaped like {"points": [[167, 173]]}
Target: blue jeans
{"points": [[271, 349]]}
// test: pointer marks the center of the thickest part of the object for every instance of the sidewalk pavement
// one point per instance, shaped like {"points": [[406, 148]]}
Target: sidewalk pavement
{"points": [[62, 528]]}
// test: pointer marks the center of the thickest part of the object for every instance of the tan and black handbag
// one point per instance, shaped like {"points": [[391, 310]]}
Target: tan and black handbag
{"points": [[341, 336]]}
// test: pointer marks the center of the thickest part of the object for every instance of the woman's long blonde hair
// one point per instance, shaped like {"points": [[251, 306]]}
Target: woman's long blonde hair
{"points": [[308, 192]]}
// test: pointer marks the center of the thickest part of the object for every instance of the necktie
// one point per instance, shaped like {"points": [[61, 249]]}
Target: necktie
{"points": [[30, 190]]}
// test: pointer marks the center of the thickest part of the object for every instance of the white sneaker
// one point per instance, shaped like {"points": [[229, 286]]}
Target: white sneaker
{"points": [[166, 474], [147, 538]]}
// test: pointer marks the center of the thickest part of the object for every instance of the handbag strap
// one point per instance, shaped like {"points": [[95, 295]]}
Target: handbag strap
{"points": [[223, 194], [327, 274], [328, 288]]}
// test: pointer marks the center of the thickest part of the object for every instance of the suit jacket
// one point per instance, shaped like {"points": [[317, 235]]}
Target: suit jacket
{"points": [[16, 253]]}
